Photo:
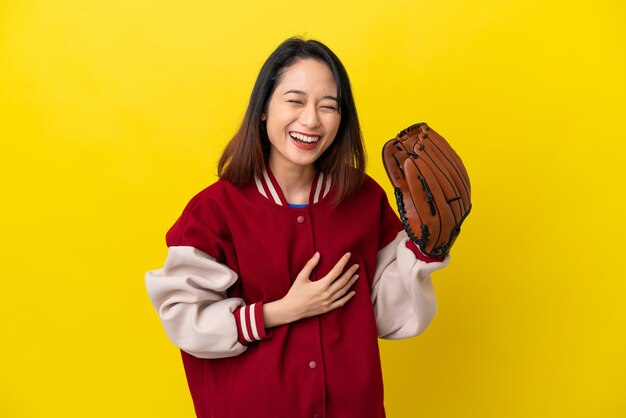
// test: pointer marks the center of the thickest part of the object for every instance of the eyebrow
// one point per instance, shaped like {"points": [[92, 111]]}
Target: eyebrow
{"points": [[304, 94]]}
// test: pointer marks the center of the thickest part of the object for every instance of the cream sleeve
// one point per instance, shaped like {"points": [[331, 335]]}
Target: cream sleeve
{"points": [[402, 292], [189, 294]]}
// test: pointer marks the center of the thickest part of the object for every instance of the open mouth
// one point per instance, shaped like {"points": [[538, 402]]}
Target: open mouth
{"points": [[304, 139]]}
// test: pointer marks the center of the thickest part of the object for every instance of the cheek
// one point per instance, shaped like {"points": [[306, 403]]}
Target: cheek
{"points": [[274, 124], [278, 118], [332, 135], [334, 126], [272, 132]]}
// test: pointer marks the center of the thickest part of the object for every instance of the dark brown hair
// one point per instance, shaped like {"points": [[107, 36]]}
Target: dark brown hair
{"points": [[247, 153]]}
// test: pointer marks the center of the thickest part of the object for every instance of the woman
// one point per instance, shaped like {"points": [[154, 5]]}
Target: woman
{"points": [[282, 274]]}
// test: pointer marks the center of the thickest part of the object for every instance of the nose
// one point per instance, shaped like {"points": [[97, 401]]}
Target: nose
{"points": [[309, 116]]}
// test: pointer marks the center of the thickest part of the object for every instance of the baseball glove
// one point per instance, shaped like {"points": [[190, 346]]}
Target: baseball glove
{"points": [[431, 186]]}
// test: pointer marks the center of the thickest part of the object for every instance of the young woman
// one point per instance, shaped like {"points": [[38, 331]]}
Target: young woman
{"points": [[281, 276]]}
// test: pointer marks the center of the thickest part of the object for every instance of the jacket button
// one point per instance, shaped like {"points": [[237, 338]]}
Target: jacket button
{"points": [[300, 219], [312, 364]]}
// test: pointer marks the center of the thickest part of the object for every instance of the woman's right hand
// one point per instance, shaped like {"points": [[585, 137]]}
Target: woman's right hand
{"points": [[308, 298]]}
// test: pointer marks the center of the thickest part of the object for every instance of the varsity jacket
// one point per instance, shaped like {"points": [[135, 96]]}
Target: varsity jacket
{"points": [[233, 249]]}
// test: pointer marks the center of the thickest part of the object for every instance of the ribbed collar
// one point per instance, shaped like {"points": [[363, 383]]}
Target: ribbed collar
{"points": [[269, 188]]}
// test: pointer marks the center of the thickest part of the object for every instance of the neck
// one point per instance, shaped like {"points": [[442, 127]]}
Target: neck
{"points": [[294, 180]]}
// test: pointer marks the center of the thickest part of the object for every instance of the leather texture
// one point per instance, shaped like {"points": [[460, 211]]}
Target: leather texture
{"points": [[431, 186]]}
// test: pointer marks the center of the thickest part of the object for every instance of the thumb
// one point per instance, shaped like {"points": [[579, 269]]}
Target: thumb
{"points": [[306, 271]]}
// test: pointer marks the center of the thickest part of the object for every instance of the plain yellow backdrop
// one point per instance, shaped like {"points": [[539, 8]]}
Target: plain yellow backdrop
{"points": [[113, 114]]}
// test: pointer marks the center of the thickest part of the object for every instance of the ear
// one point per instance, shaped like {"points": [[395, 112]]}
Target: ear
{"points": [[263, 117]]}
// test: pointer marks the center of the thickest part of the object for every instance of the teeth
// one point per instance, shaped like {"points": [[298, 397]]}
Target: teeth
{"points": [[304, 138]]}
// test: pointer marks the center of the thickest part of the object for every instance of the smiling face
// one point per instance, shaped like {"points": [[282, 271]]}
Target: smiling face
{"points": [[302, 115]]}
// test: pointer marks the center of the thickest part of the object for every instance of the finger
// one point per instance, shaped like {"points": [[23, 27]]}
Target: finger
{"points": [[336, 270], [340, 302], [340, 292], [306, 271], [344, 279]]}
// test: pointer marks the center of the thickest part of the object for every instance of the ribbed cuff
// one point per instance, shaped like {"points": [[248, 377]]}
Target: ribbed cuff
{"points": [[421, 256], [250, 326]]}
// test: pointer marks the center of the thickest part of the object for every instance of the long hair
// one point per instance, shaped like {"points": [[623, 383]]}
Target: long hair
{"points": [[247, 153]]}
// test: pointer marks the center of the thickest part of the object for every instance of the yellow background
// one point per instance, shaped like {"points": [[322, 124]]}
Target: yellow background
{"points": [[113, 114]]}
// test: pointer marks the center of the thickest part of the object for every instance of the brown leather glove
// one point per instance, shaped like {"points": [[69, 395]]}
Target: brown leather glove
{"points": [[431, 186]]}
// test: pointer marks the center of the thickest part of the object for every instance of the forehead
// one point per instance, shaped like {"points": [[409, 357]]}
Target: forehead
{"points": [[308, 75]]}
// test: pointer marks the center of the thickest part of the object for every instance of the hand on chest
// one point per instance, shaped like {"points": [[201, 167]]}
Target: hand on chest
{"points": [[274, 243]]}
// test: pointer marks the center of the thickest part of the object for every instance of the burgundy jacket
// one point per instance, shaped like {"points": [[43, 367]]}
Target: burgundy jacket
{"points": [[233, 249]]}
